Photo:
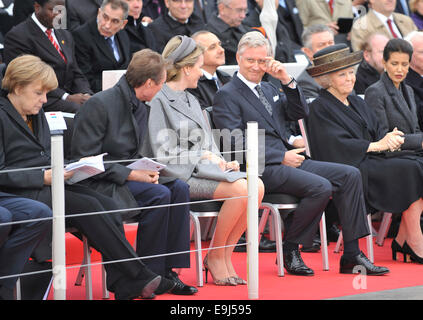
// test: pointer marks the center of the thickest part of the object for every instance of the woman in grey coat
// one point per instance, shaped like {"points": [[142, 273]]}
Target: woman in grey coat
{"points": [[180, 137]]}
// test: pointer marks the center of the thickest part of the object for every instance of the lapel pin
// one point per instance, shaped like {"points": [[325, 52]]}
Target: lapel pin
{"points": [[63, 41]]}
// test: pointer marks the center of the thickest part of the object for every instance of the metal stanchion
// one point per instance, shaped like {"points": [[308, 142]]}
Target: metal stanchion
{"points": [[57, 125], [252, 210]]}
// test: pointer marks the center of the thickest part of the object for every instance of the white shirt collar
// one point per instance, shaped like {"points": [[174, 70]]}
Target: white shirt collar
{"points": [[382, 17], [170, 15], [38, 23], [251, 85], [208, 75]]}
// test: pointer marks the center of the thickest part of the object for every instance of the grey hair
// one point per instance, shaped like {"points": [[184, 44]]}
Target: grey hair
{"points": [[253, 39], [117, 4], [413, 35], [313, 29], [225, 2], [324, 80]]}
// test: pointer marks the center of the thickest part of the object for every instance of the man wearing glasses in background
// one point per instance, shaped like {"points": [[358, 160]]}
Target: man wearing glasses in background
{"points": [[178, 21], [228, 26], [102, 43]]}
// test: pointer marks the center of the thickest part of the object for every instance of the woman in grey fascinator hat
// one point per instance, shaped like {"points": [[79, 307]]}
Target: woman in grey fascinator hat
{"points": [[194, 157]]}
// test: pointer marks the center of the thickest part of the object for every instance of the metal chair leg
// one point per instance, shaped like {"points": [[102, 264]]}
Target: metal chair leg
{"points": [[87, 271], [384, 228], [339, 243], [369, 239], [324, 243], [198, 253]]}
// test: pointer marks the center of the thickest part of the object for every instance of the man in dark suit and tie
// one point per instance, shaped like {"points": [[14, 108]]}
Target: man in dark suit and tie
{"points": [[139, 35], [212, 79], [179, 20], [228, 27], [102, 43], [39, 36], [246, 98]]}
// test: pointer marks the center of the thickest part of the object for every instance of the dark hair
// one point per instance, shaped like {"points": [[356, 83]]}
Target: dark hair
{"points": [[397, 45], [145, 64]]}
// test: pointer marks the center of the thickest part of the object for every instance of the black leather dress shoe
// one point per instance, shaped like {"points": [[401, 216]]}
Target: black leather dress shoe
{"points": [[265, 245], [180, 288], [165, 286], [314, 247], [332, 233], [357, 263], [294, 264]]}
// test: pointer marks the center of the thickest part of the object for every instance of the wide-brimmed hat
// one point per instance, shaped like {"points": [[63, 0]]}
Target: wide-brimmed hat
{"points": [[333, 58]]}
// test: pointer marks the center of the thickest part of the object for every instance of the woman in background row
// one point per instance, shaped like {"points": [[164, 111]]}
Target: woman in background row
{"points": [[196, 158]]}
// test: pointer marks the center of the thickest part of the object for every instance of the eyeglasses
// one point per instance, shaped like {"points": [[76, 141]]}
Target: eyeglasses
{"points": [[238, 10], [185, 1], [113, 21], [260, 62]]}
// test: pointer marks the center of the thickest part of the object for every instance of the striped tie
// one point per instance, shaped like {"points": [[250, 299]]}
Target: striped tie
{"points": [[389, 21], [54, 43]]}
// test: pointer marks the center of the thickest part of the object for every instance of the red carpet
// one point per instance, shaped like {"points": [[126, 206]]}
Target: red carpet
{"points": [[325, 284]]}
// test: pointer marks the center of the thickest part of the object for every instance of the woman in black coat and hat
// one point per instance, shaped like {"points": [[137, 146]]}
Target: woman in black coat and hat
{"points": [[344, 129]]}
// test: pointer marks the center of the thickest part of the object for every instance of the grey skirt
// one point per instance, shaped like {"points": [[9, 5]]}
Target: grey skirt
{"points": [[200, 189]]}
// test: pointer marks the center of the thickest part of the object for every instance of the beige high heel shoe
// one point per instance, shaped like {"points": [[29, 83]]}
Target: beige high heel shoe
{"points": [[229, 281]]}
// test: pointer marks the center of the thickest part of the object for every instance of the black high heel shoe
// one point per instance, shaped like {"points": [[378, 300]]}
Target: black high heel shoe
{"points": [[409, 254], [395, 249]]}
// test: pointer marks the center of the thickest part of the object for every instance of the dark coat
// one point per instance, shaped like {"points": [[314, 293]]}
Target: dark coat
{"points": [[235, 105], [229, 37], [21, 148], [392, 181], [106, 124], [81, 11], [284, 51], [415, 81], [94, 54], [164, 28], [291, 19], [394, 109], [366, 75], [28, 38], [206, 89], [140, 37]]}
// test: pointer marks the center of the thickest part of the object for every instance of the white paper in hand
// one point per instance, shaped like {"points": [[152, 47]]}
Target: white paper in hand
{"points": [[85, 168], [146, 164]]}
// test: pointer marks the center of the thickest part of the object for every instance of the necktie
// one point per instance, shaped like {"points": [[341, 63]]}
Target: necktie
{"points": [[405, 7], [115, 50], [263, 99], [389, 22], [54, 43], [331, 7], [216, 81]]}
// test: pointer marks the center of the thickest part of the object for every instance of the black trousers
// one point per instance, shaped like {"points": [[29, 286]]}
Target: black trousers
{"points": [[163, 230], [104, 232], [314, 182]]}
